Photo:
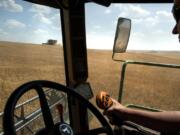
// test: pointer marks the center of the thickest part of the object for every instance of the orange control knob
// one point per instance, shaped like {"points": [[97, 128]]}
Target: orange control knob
{"points": [[103, 100]]}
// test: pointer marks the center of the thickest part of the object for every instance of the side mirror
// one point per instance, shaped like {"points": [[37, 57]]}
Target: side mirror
{"points": [[122, 36]]}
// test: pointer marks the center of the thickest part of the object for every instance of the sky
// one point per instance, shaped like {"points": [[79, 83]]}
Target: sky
{"points": [[151, 28]]}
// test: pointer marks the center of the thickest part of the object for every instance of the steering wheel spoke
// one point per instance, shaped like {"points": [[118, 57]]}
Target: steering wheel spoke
{"points": [[48, 120]]}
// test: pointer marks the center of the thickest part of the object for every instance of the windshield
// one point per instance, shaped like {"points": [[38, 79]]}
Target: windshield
{"points": [[151, 40], [30, 46]]}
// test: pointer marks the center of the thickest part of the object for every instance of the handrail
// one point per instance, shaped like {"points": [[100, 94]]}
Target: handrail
{"points": [[127, 62], [147, 108]]}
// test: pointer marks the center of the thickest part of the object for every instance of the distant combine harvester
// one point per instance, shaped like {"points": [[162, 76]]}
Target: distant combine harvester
{"points": [[50, 42]]}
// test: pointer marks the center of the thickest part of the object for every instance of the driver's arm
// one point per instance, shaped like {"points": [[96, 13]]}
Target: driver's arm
{"points": [[166, 121]]}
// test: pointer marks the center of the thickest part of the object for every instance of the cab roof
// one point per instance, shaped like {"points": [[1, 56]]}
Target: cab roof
{"points": [[56, 3]]}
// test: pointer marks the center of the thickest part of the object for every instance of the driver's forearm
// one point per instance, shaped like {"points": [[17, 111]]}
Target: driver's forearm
{"points": [[161, 121]]}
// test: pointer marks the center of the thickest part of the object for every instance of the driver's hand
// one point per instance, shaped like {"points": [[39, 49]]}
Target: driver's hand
{"points": [[115, 113]]}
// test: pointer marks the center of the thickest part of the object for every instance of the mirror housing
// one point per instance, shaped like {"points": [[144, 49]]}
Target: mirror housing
{"points": [[122, 36]]}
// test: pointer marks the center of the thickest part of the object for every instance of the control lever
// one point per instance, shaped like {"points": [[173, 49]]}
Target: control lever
{"points": [[103, 100], [59, 107]]}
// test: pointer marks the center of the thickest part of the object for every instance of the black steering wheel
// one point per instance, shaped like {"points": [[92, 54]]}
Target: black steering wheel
{"points": [[50, 127]]}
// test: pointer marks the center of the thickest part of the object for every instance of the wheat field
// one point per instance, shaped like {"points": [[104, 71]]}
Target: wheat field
{"points": [[150, 86]]}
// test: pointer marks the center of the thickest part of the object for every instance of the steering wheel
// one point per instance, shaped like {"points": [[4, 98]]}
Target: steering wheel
{"points": [[50, 127]]}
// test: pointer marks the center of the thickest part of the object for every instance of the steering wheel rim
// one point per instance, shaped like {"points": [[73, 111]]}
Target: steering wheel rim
{"points": [[8, 119]]}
